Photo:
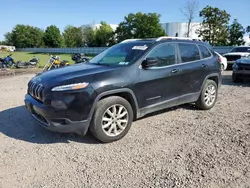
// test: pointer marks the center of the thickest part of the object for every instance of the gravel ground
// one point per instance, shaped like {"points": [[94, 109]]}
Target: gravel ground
{"points": [[179, 147]]}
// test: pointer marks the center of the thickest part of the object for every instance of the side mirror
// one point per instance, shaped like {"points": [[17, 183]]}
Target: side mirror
{"points": [[149, 62]]}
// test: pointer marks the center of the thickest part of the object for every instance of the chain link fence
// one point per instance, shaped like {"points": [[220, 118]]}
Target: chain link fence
{"points": [[85, 50], [94, 50]]}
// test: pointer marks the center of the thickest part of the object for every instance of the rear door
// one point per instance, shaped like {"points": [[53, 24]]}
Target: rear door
{"points": [[194, 67]]}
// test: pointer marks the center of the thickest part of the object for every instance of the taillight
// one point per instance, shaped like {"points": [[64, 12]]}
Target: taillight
{"points": [[220, 59]]}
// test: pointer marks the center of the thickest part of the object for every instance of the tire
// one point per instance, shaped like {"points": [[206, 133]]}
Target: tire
{"points": [[235, 79], [19, 64], [202, 102], [97, 128]]}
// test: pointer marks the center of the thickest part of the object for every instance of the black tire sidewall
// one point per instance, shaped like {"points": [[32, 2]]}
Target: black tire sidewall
{"points": [[234, 78], [202, 98], [102, 106]]}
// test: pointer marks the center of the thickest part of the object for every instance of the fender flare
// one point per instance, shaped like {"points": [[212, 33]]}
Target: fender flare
{"points": [[210, 76], [113, 92]]}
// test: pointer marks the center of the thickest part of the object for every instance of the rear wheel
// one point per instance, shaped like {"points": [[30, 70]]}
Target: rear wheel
{"points": [[208, 95], [112, 119]]}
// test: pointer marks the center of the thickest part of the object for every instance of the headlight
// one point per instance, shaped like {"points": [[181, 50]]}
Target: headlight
{"points": [[235, 66], [71, 87]]}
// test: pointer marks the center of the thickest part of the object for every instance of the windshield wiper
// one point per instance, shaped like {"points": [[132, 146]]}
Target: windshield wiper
{"points": [[102, 64]]}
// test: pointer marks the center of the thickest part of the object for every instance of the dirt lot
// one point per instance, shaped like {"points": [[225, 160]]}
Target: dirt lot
{"points": [[180, 147]]}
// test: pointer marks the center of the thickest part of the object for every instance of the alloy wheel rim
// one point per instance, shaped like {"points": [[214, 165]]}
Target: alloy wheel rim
{"points": [[115, 120], [210, 95]]}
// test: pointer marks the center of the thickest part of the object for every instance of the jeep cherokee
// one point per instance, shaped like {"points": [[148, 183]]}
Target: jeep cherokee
{"points": [[125, 82]]}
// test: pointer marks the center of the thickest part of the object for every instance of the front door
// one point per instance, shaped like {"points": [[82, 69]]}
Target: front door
{"points": [[159, 83]]}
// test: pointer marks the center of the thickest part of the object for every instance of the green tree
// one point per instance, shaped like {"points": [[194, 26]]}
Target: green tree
{"points": [[140, 25], [248, 30], [25, 36], [8, 38], [104, 35], [236, 33], [73, 36], [3, 42], [89, 37], [214, 25], [52, 37]]}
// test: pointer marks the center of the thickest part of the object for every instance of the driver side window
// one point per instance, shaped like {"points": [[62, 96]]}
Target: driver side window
{"points": [[164, 54]]}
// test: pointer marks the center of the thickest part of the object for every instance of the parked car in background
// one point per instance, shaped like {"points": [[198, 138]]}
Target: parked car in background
{"points": [[223, 61], [241, 70], [125, 82], [237, 53]]}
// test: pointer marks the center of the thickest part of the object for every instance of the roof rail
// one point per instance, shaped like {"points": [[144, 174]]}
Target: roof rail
{"points": [[178, 38], [128, 40]]}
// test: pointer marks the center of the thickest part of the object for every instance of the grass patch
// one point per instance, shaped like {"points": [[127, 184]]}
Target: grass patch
{"points": [[43, 57]]}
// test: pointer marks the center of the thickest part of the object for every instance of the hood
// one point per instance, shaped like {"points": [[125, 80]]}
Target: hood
{"points": [[74, 73], [237, 53], [245, 61]]}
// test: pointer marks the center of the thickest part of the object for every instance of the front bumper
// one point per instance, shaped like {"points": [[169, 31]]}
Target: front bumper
{"points": [[52, 120], [242, 74]]}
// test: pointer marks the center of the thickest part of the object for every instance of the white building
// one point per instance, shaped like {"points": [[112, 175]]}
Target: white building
{"points": [[180, 29]]}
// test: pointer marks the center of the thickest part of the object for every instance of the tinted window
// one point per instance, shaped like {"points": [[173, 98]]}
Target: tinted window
{"points": [[121, 54], [164, 53], [189, 52], [204, 51]]}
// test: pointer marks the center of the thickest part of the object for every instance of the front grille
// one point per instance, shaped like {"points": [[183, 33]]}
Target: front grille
{"points": [[232, 57], [244, 67], [36, 90]]}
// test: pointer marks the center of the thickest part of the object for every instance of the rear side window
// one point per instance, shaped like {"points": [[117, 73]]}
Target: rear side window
{"points": [[204, 51], [189, 52]]}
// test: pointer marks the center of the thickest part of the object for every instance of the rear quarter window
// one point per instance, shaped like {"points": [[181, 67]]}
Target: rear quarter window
{"points": [[204, 51]]}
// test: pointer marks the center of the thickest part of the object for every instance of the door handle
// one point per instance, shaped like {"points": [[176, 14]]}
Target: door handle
{"points": [[204, 65], [174, 71]]}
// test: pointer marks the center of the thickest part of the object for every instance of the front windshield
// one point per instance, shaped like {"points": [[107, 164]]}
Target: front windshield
{"points": [[122, 53], [241, 49]]}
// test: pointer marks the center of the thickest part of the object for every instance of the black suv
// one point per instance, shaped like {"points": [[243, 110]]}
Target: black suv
{"points": [[241, 70], [127, 81]]}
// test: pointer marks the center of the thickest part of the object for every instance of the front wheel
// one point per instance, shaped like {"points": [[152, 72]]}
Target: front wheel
{"points": [[235, 78], [112, 119], [208, 95]]}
